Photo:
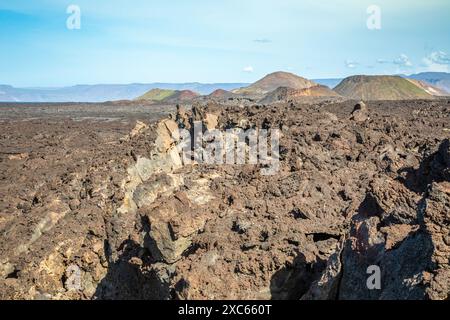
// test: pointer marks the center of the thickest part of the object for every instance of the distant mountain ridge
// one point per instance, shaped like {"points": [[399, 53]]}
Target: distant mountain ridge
{"points": [[380, 88], [168, 96], [284, 94], [274, 81], [220, 93], [103, 92], [330, 83], [429, 88], [440, 80], [434, 83], [157, 95]]}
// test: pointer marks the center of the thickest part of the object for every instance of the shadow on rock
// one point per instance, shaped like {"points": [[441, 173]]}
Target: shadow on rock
{"points": [[401, 248], [402, 270], [433, 168], [294, 280], [131, 278]]}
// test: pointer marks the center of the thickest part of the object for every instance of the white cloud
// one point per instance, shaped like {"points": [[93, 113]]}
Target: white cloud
{"points": [[437, 61], [248, 69], [403, 60], [438, 57], [351, 64]]}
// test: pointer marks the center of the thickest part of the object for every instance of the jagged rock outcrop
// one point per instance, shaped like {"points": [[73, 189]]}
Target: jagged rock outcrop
{"points": [[396, 229]]}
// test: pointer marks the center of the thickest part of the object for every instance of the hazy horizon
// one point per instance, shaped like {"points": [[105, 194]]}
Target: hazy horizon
{"points": [[195, 82]]}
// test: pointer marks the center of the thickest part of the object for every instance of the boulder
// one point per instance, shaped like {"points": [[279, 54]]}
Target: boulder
{"points": [[138, 128], [211, 121], [167, 135], [360, 112], [173, 223]]}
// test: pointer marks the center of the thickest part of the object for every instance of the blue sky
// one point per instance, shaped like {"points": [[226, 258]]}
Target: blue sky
{"points": [[217, 41]]}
